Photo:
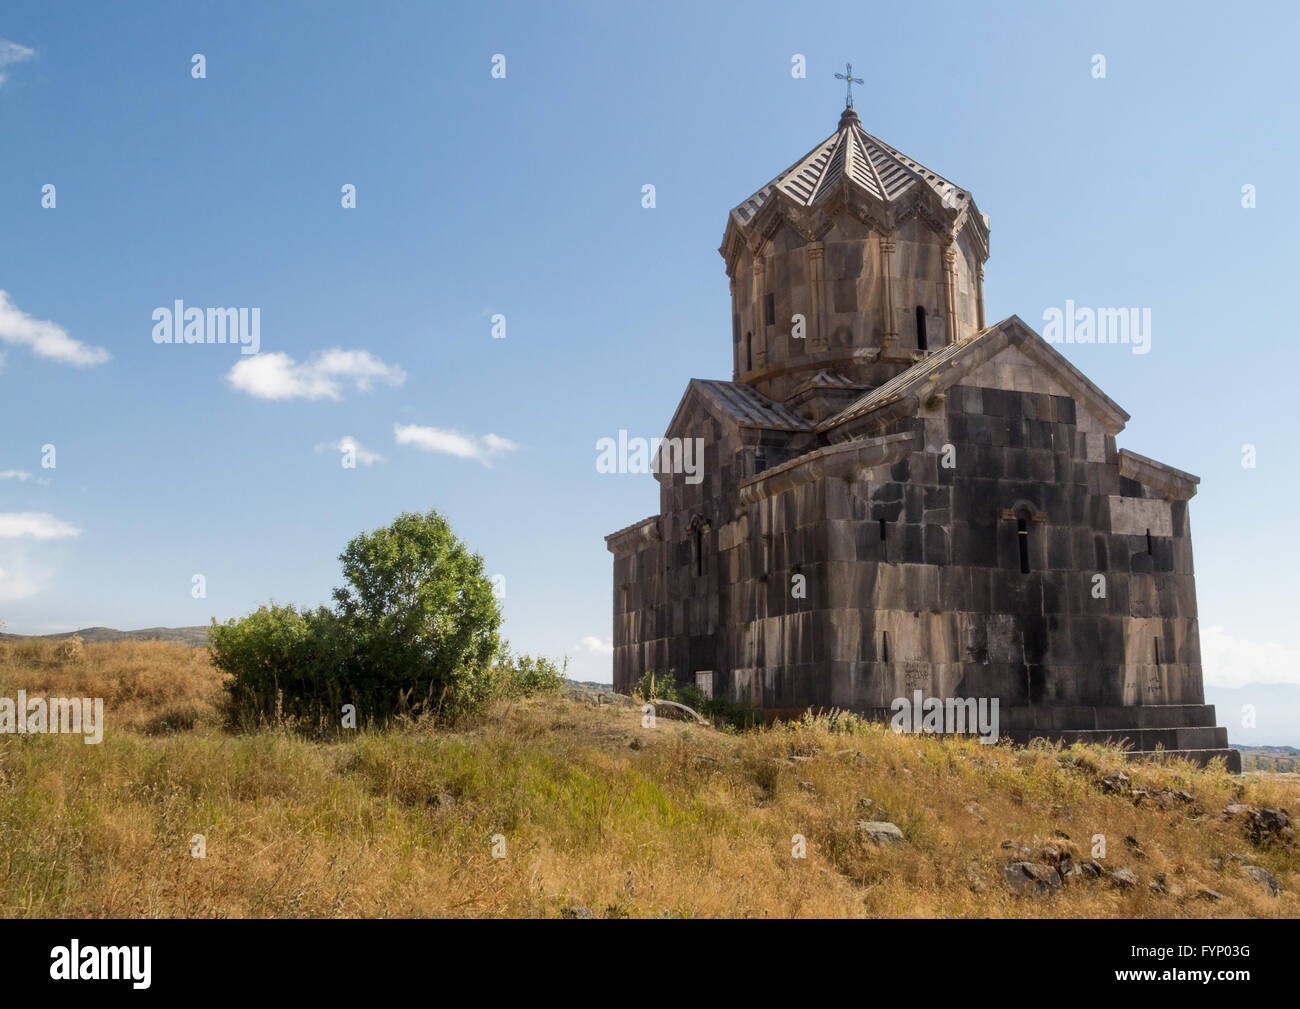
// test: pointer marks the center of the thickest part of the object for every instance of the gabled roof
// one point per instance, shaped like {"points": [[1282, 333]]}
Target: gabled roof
{"points": [[852, 152], [938, 371], [745, 405]]}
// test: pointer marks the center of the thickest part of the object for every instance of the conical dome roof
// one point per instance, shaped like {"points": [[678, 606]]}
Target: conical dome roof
{"points": [[851, 152]]}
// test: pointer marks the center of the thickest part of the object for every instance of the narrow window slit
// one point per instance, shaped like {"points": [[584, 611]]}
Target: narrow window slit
{"points": [[1022, 533], [884, 646]]}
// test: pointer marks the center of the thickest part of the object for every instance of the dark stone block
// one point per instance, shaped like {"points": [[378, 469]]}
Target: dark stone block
{"points": [[913, 546]]}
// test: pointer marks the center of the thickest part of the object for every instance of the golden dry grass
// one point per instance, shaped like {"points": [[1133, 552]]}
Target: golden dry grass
{"points": [[594, 809]]}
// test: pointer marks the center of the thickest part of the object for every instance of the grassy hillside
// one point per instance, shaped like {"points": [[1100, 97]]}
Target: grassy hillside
{"points": [[598, 815], [194, 636]]}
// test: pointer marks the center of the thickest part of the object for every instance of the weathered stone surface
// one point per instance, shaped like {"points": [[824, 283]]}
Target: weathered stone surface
{"points": [[1123, 879], [880, 831], [1032, 879], [1263, 877], [901, 501]]}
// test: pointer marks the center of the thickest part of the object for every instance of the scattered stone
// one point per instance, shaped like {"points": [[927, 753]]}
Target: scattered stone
{"points": [[1241, 859], [1050, 854], [1019, 848], [704, 758], [1117, 782], [1061, 834], [808, 786], [1216, 864], [973, 880], [636, 744], [1091, 869], [1210, 895], [1123, 879], [880, 831], [1157, 885], [1261, 824], [975, 812], [1263, 877], [575, 911], [1030, 879], [443, 799]]}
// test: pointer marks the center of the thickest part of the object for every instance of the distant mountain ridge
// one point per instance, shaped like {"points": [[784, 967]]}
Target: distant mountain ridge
{"points": [[194, 636]]}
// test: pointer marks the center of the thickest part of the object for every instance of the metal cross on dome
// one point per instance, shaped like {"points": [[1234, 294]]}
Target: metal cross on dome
{"points": [[851, 80]]}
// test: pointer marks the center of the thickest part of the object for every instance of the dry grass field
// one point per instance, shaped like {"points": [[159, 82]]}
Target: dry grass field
{"points": [[596, 814]]}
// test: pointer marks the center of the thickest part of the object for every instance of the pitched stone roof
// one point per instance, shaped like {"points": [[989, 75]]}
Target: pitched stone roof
{"points": [[851, 152], [749, 407], [935, 372]]}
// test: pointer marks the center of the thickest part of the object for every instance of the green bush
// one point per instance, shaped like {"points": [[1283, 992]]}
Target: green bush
{"points": [[284, 664], [414, 633], [525, 676]]}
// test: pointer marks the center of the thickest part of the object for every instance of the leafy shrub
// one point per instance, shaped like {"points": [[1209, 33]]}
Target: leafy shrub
{"points": [[414, 632], [284, 664], [525, 676], [664, 686]]}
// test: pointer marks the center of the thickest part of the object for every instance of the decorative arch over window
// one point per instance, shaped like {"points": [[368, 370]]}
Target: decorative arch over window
{"points": [[698, 528], [1025, 516]]}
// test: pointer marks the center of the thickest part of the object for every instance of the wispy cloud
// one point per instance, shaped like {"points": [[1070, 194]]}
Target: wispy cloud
{"points": [[592, 645], [21, 476], [43, 338], [37, 525], [1235, 662], [349, 444], [466, 446], [321, 376], [12, 52]]}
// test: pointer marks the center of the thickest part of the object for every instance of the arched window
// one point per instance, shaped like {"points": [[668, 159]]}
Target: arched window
{"points": [[1022, 534], [921, 343]]}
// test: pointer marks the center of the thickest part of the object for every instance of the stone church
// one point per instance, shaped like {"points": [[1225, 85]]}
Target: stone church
{"points": [[897, 496]]}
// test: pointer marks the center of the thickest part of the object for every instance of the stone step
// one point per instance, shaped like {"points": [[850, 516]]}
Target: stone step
{"points": [[1198, 737], [1143, 716], [1201, 757]]}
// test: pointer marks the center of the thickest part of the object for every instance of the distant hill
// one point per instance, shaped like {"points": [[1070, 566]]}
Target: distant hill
{"points": [[195, 636], [1276, 713]]}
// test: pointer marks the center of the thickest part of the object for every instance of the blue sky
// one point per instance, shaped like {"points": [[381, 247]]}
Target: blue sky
{"points": [[522, 197]]}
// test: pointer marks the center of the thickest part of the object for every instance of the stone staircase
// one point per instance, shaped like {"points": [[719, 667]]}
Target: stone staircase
{"points": [[1155, 731]]}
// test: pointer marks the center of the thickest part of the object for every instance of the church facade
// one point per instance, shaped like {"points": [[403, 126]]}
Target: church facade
{"points": [[896, 496]]}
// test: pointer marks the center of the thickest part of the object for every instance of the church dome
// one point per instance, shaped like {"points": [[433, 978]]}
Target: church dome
{"points": [[854, 260]]}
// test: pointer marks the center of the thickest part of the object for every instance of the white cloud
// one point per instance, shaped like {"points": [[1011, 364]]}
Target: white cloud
{"points": [[44, 338], [12, 52], [321, 376], [1234, 662], [347, 443], [15, 474], [37, 525], [465, 446], [594, 646]]}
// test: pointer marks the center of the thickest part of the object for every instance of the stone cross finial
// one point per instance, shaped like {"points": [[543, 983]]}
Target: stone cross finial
{"points": [[850, 80]]}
